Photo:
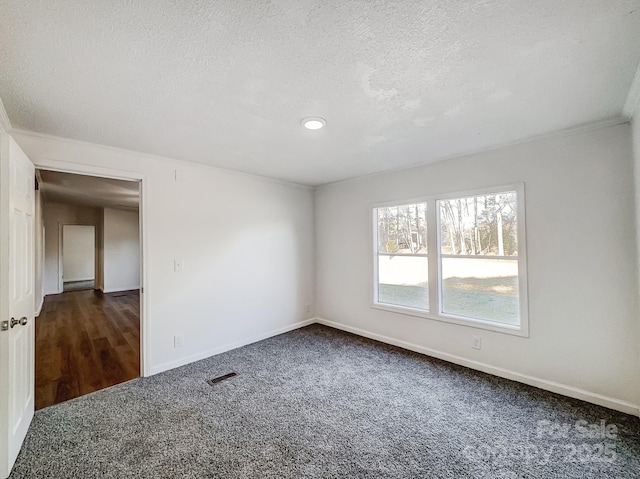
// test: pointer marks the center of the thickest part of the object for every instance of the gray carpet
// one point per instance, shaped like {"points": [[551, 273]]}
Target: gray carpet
{"points": [[321, 403]]}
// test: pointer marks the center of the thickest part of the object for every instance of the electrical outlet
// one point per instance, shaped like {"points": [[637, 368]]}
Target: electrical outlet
{"points": [[178, 265], [177, 341], [308, 308], [476, 342]]}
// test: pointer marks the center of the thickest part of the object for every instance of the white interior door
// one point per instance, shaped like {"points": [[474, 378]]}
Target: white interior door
{"points": [[78, 253], [17, 359]]}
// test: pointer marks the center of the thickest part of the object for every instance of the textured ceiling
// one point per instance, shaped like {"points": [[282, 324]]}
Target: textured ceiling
{"points": [[89, 190], [226, 83]]}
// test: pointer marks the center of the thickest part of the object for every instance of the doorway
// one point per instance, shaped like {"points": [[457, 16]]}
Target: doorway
{"points": [[88, 333], [78, 257]]}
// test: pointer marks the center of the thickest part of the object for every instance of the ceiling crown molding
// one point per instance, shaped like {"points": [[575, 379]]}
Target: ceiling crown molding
{"points": [[632, 105], [5, 124]]}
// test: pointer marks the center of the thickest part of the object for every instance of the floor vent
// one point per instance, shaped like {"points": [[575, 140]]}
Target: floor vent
{"points": [[214, 381]]}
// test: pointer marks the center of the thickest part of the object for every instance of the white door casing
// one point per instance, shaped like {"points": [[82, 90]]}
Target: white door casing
{"points": [[54, 164], [17, 358]]}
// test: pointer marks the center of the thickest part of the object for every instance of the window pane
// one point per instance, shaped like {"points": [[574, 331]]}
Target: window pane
{"points": [[403, 229], [403, 281], [481, 289], [479, 225]]}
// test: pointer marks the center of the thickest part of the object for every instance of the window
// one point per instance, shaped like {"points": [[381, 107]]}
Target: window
{"points": [[403, 264], [476, 270]]}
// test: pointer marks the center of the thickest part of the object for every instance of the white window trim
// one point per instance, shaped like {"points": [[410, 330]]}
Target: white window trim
{"points": [[435, 262]]}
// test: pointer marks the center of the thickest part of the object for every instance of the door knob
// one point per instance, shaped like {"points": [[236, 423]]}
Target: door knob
{"points": [[22, 321]]}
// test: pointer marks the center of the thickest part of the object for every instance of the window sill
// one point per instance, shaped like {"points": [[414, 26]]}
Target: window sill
{"points": [[521, 330]]}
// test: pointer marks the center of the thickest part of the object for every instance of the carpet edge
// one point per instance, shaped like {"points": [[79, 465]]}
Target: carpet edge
{"points": [[547, 385], [227, 347]]}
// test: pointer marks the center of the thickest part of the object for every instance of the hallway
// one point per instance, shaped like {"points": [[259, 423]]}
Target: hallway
{"points": [[86, 341]]}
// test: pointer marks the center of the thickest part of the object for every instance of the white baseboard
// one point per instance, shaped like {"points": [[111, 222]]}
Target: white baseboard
{"points": [[228, 347], [79, 279], [555, 387], [552, 386]]}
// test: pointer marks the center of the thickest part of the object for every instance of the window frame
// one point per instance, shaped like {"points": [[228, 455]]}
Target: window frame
{"points": [[434, 256]]}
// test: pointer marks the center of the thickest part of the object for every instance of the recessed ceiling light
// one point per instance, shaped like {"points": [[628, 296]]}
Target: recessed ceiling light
{"points": [[313, 123]]}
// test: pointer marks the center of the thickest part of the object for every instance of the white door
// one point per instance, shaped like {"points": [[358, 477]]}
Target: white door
{"points": [[17, 361]]}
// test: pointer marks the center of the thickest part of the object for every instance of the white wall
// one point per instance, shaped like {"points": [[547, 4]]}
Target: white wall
{"points": [[55, 215], [78, 252], [121, 250], [99, 284], [635, 133], [583, 284], [247, 245]]}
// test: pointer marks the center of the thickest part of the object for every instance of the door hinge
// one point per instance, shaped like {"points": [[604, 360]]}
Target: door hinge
{"points": [[4, 326]]}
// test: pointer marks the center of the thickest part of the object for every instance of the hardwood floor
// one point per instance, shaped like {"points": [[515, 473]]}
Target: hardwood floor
{"points": [[86, 341]]}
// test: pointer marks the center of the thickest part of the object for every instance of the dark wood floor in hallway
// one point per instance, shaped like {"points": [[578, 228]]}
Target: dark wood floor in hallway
{"points": [[86, 341]]}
